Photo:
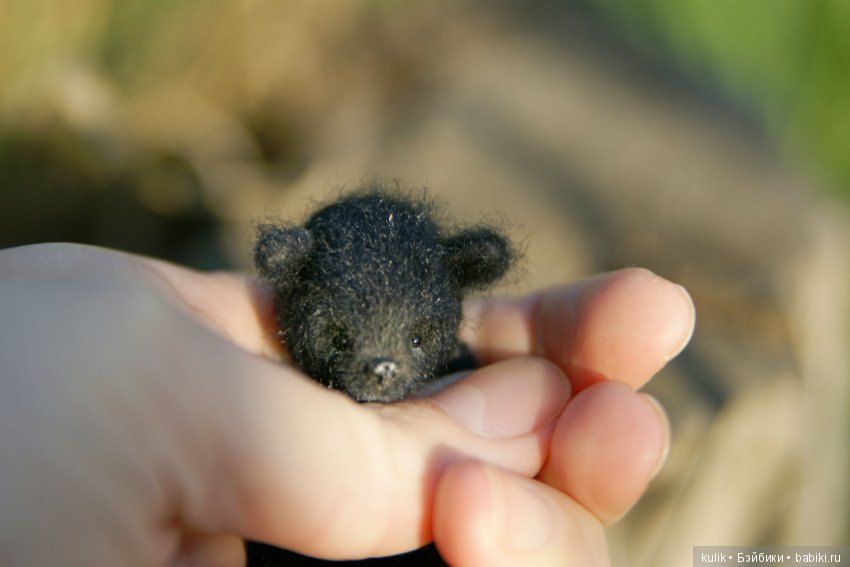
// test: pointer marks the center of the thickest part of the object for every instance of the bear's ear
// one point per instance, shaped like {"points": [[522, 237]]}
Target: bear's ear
{"points": [[280, 251], [477, 256]]}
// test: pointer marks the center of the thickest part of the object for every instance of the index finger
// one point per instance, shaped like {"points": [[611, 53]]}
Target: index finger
{"points": [[233, 305], [624, 325]]}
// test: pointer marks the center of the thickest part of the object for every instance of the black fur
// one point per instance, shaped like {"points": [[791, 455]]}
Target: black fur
{"points": [[368, 298], [368, 292]]}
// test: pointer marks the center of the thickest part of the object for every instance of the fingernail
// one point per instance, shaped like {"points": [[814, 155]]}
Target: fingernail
{"points": [[507, 399], [688, 331], [662, 457], [521, 517]]}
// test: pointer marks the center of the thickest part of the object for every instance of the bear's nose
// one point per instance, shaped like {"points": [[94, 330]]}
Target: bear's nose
{"points": [[383, 369]]}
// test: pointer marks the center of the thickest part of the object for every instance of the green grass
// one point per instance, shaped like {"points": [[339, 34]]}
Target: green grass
{"points": [[789, 59]]}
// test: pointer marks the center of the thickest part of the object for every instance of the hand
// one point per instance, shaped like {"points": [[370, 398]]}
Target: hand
{"points": [[143, 420], [609, 335]]}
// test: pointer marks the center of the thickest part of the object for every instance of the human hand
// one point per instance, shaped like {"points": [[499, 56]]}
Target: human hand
{"points": [[142, 421], [609, 334]]}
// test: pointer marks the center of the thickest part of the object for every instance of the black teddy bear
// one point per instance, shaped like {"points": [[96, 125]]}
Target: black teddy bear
{"points": [[368, 296]]}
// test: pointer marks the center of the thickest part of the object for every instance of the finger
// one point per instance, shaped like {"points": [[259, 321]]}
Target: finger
{"points": [[624, 325], [608, 444], [489, 402], [233, 305], [277, 458], [484, 515]]}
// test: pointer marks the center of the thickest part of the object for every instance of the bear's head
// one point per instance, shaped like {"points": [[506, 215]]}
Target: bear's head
{"points": [[368, 293]]}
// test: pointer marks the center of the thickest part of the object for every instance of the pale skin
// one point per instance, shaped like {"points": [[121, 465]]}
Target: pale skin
{"points": [[146, 419]]}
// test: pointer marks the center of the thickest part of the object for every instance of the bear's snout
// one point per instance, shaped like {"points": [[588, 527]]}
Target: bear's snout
{"points": [[382, 369]]}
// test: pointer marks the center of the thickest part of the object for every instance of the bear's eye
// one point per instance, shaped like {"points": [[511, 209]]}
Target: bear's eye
{"points": [[340, 338], [421, 334]]}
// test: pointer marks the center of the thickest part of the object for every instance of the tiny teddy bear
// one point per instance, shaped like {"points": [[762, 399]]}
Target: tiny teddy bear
{"points": [[368, 297], [368, 292]]}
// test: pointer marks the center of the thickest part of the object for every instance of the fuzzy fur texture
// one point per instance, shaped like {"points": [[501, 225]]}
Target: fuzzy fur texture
{"points": [[368, 292]]}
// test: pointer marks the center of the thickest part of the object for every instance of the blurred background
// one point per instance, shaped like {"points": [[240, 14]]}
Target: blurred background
{"points": [[706, 140]]}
